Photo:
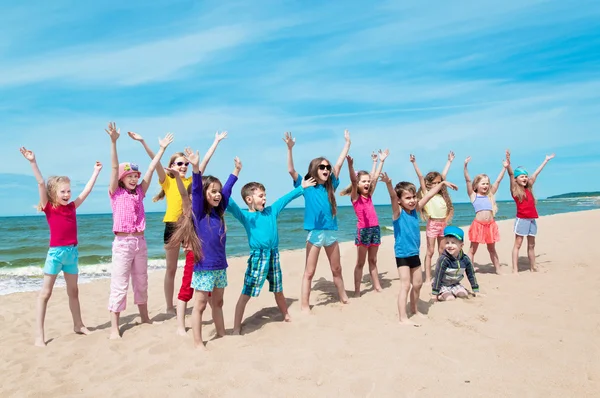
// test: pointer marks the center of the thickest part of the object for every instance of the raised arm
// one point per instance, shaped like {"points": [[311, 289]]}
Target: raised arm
{"points": [[468, 178], [375, 177], [29, 155], [218, 138], [448, 164], [413, 160], [228, 187], [374, 166], [282, 202], [114, 134], [164, 143], [290, 141], [535, 174], [434, 191], [185, 198], [353, 179], [509, 170], [340, 161], [494, 187], [159, 168], [393, 197], [88, 187]]}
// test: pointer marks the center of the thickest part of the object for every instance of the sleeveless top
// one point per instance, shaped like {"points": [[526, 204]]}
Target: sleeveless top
{"points": [[526, 208], [365, 212], [407, 235], [481, 203]]}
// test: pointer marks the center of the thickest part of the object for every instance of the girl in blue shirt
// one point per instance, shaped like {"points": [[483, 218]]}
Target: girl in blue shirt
{"points": [[320, 218], [407, 240]]}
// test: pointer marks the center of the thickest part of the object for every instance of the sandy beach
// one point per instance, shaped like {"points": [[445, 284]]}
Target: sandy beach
{"points": [[531, 335]]}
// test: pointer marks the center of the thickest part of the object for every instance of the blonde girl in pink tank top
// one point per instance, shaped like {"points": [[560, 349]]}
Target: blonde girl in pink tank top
{"points": [[368, 233]]}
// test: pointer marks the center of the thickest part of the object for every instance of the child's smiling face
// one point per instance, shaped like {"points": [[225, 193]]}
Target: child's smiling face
{"points": [[453, 245]]}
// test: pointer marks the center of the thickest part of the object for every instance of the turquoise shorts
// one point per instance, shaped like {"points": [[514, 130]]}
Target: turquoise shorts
{"points": [[322, 237], [62, 258], [206, 281]]}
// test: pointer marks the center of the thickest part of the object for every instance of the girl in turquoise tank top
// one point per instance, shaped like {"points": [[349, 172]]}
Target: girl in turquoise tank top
{"points": [[407, 240]]}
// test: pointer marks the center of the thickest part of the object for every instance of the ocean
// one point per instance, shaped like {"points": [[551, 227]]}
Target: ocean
{"points": [[25, 239]]}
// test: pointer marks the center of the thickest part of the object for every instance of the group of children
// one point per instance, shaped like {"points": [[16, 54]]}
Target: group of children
{"points": [[194, 220]]}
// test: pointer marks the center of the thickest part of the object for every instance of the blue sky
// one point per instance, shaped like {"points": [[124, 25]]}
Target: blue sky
{"points": [[421, 78]]}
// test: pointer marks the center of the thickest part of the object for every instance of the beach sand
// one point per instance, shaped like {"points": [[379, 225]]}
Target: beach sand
{"points": [[531, 335]]}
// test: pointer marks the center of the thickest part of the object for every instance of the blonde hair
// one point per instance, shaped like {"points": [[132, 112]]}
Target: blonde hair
{"points": [[489, 194], [519, 192], [432, 175], [52, 185], [161, 194], [346, 191]]}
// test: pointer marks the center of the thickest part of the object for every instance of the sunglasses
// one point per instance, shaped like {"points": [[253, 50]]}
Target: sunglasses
{"points": [[182, 163], [325, 167]]}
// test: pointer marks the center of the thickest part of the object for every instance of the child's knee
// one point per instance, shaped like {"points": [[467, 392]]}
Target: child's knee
{"points": [[430, 250], [217, 303], [73, 291], [309, 274], [531, 245], [336, 270], [45, 294]]}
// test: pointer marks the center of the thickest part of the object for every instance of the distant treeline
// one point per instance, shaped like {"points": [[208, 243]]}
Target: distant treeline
{"points": [[575, 195]]}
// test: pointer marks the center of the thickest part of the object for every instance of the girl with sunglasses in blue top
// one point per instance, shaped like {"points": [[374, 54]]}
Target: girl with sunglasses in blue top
{"points": [[320, 218]]}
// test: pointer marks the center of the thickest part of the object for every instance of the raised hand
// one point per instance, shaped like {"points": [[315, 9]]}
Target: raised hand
{"points": [[505, 163], [289, 140], [135, 136], [412, 158], [508, 155], [450, 185], [451, 156], [374, 155], [551, 156], [193, 158], [172, 172], [97, 166], [385, 178], [238, 163], [350, 161], [112, 131], [383, 154], [467, 160], [29, 155], [311, 182], [220, 136], [347, 135], [164, 143]]}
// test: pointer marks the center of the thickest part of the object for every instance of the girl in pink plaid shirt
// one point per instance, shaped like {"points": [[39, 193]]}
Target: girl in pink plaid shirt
{"points": [[129, 253]]}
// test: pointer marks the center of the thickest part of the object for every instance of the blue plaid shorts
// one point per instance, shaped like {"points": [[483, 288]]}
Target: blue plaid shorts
{"points": [[262, 265]]}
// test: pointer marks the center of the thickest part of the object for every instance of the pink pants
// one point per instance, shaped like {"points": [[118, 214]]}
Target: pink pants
{"points": [[129, 259]]}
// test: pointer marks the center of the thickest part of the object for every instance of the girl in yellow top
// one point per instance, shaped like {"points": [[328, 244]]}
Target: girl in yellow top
{"points": [[438, 211], [170, 191]]}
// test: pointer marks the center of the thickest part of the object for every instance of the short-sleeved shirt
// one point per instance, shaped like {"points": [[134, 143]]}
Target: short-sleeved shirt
{"points": [[407, 236], [173, 197], [62, 222], [128, 210], [317, 209]]}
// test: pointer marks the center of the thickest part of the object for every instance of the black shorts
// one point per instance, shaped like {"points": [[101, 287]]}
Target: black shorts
{"points": [[170, 227], [411, 262]]}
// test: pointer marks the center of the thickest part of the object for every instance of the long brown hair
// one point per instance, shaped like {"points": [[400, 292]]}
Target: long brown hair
{"points": [[489, 194], [185, 233], [52, 185], [161, 194], [346, 191], [313, 171], [432, 175]]}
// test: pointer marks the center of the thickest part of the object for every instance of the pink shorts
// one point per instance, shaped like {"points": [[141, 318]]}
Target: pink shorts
{"points": [[435, 228]]}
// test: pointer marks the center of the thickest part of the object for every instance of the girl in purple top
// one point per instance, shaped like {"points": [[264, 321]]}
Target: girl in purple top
{"points": [[209, 201], [368, 233]]}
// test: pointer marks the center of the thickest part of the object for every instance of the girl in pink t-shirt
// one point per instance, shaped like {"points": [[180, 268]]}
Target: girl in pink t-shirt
{"points": [[55, 201], [129, 253], [368, 233]]}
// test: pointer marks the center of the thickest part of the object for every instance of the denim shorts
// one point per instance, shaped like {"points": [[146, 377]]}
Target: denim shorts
{"points": [[526, 227], [322, 237], [62, 258]]}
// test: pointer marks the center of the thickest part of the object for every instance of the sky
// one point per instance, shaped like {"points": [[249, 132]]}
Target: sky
{"points": [[474, 77]]}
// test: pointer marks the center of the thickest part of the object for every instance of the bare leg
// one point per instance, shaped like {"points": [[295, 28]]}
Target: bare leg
{"points": [[73, 293], [404, 274], [417, 282], [312, 256], [462, 294], [531, 253], [282, 305], [441, 244], [239, 313], [217, 310], [446, 297], [199, 307], [515, 253], [428, 258], [181, 310], [373, 268], [472, 251], [114, 326], [494, 257], [333, 254], [172, 255], [42, 304], [361, 257]]}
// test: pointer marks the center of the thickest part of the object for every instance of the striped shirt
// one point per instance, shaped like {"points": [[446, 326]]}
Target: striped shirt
{"points": [[128, 210]]}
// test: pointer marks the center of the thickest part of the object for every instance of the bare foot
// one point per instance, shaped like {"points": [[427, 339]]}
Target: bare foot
{"points": [[82, 330], [114, 335], [305, 311], [356, 294], [476, 269], [236, 332], [287, 318], [345, 300], [417, 314], [149, 321], [181, 332], [427, 281], [534, 269], [408, 322], [39, 342], [378, 289], [515, 272], [201, 347], [171, 311]]}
